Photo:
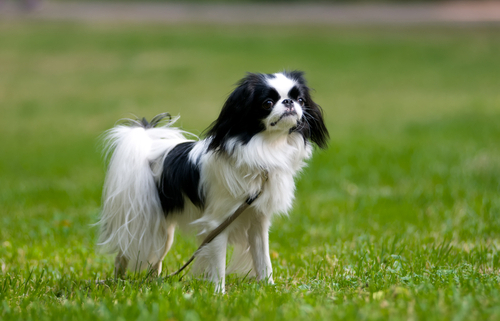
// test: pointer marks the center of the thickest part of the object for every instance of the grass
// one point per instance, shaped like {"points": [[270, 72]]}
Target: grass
{"points": [[273, 1], [399, 218]]}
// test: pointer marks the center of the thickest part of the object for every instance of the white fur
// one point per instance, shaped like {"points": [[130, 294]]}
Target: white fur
{"points": [[282, 84], [132, 211], [134, 225], [133, 221]]}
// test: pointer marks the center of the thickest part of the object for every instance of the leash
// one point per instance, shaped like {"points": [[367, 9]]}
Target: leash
{"points": [[224, 224]]}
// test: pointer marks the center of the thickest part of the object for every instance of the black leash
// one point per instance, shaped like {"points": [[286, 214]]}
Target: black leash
{"points": [[224, 224]]}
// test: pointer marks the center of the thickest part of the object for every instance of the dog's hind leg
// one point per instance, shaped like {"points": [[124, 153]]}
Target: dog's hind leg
{"points": [[121, 263], [156, 268]]}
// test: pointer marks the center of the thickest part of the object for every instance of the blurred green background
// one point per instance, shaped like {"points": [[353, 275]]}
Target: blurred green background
{"points": [[270, 1], [398, 218]]}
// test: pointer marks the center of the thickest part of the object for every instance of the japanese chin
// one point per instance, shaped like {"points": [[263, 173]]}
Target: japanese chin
{"points": [[159, 179]]}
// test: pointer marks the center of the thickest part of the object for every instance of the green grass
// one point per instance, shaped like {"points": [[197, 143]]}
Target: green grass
{"points": [[268, 1], [399, 218]]}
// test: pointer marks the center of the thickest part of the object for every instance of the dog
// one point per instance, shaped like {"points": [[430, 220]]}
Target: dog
{"points": [[159, 179]]}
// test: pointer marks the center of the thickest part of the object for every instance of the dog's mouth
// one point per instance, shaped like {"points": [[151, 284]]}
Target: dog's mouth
{"points": [[285, 114]]}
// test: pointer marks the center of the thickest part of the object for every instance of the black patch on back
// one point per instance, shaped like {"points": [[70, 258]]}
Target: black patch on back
{"points": [[180, 178]]}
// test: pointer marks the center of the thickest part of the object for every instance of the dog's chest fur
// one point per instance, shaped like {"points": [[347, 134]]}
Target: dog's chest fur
{"points": [[239, 175]]}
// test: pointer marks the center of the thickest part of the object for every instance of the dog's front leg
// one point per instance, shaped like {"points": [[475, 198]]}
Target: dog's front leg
{"points": [[258, 238], [211, 262]]}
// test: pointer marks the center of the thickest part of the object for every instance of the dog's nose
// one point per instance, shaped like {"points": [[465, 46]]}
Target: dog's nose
{"points": [[289, 105]]}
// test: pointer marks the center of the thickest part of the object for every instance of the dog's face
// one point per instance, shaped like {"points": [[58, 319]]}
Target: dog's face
{"points": [[273, 103], [284, 101]]}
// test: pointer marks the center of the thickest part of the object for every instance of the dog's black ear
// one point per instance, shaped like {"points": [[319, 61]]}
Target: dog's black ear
{"points": [[235, 119], [313, 115], [313, 125], [220, 129]]}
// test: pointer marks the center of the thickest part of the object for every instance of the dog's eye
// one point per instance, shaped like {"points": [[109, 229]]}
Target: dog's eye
{"points": [[268, 104], [301, 101]]}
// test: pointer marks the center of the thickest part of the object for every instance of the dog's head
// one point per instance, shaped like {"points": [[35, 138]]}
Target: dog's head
{"points": [[277, 104]]}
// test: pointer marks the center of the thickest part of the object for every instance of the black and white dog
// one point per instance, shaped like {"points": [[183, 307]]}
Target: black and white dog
{"points": [[158, 179]]}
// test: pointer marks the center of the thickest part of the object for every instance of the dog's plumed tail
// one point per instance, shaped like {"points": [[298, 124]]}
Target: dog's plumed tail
{"points": [[132, 220]]}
